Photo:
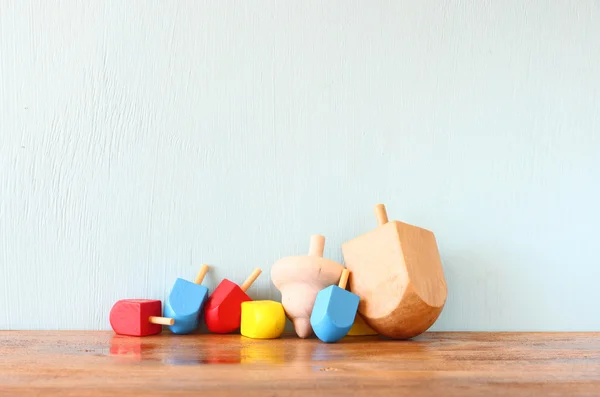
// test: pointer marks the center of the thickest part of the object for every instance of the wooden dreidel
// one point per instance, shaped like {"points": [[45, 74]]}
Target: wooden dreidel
{"points": [[300, 278], [397, 272], [223, 309], [138, 317], [185, 303], [262, 319], [334, 311]]}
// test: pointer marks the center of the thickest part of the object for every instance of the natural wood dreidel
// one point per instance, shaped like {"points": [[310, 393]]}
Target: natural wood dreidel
{"points": [[299, 279], [138, 317], [185, 303], [397, 272], [334, 311], [223, 309], [262, 319]]}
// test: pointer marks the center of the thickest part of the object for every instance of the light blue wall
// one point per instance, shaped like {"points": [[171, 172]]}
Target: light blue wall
{"points": [[140, 139]]}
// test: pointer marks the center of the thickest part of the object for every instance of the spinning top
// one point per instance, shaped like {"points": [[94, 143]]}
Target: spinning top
{"points": [[397, 272], [300, 278]]}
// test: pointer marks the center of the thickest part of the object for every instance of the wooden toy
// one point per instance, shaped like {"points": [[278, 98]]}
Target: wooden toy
{"points": [[185, 303], [360, 328], [300, 278], [334, 311], [138, 317], [397, 272], [224, 306], [262, 319]]}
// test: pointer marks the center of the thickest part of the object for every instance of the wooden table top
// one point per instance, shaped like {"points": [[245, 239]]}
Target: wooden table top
{"points": [[76, 363]]}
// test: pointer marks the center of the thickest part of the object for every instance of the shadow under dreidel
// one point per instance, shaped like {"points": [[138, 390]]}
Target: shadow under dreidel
{"points": [[202, 349], [305, 353], [180, 350], [262, 351], [128, 349], [224, 350]]}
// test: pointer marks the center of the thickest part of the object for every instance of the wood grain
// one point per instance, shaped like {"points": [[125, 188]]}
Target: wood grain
{"points": [[434, 364]]}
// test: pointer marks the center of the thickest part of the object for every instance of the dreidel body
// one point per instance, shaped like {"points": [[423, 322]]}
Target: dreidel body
{"points": [[334, 311], [185, 303], [138, 317], [223, 309]]}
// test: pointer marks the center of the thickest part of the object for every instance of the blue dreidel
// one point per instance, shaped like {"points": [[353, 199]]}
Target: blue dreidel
{"points": [[185, 303], [334, 311]]}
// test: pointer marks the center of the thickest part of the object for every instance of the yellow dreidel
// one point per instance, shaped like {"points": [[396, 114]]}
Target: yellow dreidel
{"points": [[360, 328], [262, 319]]}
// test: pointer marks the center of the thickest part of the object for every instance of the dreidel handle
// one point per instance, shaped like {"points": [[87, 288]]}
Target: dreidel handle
{"points": [[201, 274], [344, 279], [161, 320], [381, 214], [251, 279], [317, 245]]}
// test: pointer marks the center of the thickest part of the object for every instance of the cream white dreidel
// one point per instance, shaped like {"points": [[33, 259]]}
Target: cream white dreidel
{"points": [[300, 278]]}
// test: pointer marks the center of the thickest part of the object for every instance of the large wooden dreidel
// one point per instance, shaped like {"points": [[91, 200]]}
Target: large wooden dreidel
{"points": [[138, 317], [397, 272], [262, 319], [300, 278], [185, 303], [223, 309], [334, 311]]}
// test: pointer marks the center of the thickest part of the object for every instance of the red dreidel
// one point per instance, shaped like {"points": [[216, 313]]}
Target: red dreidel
{"points": [[223, 311], [138, 317]]}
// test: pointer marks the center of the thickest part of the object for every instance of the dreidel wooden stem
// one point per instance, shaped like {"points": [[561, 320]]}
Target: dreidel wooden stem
{"points": [[317, 245], [161, 320], [344, 279], [248, 283], [201, 274], [381, 214]]}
